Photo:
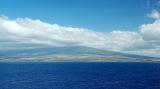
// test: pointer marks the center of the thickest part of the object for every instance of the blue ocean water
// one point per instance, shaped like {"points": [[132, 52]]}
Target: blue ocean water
{"points": [[79, 75]]}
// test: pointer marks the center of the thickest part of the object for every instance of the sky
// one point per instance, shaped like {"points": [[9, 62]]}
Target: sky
{"points": [[126, 26], [99, 15]]}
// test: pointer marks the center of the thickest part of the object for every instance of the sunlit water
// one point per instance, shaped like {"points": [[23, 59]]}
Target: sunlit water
{"points": [[80, 75]]}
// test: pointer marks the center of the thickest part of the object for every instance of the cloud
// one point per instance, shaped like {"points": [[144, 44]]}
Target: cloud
{"points": [[154, 14], [28, 33], [151, 32]]}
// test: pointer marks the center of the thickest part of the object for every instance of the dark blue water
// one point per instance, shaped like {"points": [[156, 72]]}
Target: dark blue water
{"points": [[79, 76]]}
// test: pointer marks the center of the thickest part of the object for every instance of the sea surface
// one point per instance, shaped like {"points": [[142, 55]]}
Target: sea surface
{"points": [[80, 75]]}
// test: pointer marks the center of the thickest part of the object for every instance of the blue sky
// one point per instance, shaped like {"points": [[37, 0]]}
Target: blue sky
{"points": [[99, 15]]}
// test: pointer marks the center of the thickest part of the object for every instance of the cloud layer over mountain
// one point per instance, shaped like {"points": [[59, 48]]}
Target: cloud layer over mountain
{"points": [[26, 31]]}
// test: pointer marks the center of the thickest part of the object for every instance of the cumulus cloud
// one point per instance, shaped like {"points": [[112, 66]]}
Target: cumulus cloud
{"points": [[154, 14], [151, 33], [26, 32]]}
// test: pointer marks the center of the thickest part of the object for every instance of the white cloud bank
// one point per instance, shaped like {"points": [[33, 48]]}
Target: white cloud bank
{"points": [[28, 31], [37, 32]]}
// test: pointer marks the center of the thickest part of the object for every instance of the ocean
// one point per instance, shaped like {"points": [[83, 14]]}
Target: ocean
{"points": [[79, 75]]}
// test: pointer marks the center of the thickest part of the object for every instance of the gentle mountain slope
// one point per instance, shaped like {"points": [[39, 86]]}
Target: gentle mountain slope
{"points": [[70, 54]]}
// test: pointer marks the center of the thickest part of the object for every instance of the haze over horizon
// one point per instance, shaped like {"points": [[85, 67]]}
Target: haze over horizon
{"points": [[131, 29]]}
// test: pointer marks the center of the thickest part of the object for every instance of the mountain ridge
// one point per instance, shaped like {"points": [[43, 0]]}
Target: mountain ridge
{"points": [[71, 54]]}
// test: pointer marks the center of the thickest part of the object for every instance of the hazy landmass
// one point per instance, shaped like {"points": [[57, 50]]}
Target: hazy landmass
{"points": [[73, 54]]}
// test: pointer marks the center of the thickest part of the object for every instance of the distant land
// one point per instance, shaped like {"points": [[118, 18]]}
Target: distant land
{"points": [[71, 54]]}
